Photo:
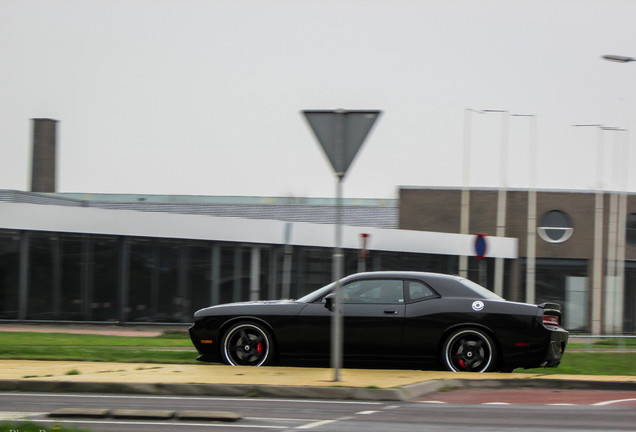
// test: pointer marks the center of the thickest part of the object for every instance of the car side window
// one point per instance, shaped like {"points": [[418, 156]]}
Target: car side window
{"points": [[378, 291], [419, 291]]}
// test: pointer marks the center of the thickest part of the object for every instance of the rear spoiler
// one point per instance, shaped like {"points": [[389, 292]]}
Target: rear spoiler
{"points": [[550, 306]]}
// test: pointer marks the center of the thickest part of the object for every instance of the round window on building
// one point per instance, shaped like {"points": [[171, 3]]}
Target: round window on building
{"points": [[630, 228], [555, 226]]}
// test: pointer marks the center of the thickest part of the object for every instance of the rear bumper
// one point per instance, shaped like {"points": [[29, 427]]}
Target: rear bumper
{"points": [[556, 348], [544, 349]]}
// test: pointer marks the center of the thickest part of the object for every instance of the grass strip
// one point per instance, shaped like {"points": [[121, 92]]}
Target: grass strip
{"points": [[68, 339], [35, 427], [100, 354], [168, 348], [592, 363]]}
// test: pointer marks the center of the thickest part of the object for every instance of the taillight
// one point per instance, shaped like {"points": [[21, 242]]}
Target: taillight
{"points": [[551, 320]]}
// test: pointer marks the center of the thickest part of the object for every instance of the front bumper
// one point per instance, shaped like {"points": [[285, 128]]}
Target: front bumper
{"points": [[205, 341]]}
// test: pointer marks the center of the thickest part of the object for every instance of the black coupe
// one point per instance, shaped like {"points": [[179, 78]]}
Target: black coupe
{"points": [[397, 319]]}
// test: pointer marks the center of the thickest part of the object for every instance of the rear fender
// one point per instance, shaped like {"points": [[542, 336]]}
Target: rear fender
{"points": [[451, 329]]}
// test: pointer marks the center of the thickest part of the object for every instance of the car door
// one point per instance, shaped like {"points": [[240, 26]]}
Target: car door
{"points": [[373, 311]]}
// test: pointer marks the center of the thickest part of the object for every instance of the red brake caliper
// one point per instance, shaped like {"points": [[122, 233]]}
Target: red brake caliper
{"points": [[461, 362], [259, 348]]}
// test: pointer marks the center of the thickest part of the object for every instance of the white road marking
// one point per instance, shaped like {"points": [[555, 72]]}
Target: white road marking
{"points": [[366, 412], [610, 402], [316, 424], [282, 419]]}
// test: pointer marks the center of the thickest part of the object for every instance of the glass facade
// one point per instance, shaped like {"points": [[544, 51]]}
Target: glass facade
{"points": [[83, 277], [566, 282], [629, 313], [9, 273]]}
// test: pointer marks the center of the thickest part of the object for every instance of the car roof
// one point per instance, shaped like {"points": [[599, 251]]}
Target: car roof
{"points": [[403, 274], [445, 284]]}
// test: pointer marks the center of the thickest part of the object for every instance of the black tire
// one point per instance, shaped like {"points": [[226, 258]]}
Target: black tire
{"points": [[469, 350], [247, 344]]}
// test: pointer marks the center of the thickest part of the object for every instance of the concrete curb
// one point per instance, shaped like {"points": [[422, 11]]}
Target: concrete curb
{"points": [[81, 412], [403, 393], [130, 414]]}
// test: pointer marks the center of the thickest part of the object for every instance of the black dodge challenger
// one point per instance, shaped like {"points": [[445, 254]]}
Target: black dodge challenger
{"points": [[396, 319]]}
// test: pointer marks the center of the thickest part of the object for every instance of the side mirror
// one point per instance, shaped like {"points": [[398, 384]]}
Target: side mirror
{"points": [[329, 301]]}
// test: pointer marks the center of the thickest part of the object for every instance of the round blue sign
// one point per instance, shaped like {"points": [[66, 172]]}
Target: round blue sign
{"points": [[480, 245]]}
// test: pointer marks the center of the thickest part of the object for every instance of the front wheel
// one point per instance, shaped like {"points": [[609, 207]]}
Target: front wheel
{"points": [[247, 344], [469, 350]]}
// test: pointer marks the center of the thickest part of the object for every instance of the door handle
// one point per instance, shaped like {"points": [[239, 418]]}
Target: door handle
{"points": [[390, 311]]}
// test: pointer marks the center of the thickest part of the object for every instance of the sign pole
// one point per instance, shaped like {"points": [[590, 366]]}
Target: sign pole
{"points": [[340, 134], [336, 317]]}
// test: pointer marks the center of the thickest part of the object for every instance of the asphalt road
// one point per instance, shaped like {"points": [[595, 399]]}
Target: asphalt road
{"points": [[605, 411]]}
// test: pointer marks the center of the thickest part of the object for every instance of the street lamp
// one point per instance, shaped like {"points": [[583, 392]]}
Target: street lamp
{"points": [[465, 197], [622, 204], [501, 199], [613, 250], [597, 260], [616, 242], [622, 221], [618, 58], [531, 239]]}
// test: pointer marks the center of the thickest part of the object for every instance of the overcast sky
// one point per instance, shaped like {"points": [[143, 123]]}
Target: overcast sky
{"points": [[204, 97]]}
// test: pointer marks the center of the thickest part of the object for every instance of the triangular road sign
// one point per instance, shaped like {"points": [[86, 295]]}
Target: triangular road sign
{"points": [[341, 134]]}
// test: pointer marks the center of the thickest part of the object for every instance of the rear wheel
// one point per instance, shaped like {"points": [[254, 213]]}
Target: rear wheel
{"points": [[469, 350], [247, 344]]}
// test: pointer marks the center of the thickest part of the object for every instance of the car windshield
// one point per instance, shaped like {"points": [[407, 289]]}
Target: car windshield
{"points": [[312, 296], [480, 290]]}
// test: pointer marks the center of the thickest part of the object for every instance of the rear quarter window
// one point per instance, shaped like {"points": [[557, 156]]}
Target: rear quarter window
{"points": [[419, 291]]}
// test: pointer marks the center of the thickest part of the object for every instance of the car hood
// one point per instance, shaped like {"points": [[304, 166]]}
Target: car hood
{"points": [[251, 306]]}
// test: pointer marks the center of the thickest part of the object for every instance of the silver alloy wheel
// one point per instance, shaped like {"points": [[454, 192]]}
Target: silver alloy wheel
{"points": [[247, 344], [469, 350]]}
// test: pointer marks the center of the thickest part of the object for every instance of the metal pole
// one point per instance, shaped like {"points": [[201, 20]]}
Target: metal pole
{"points": [[613, 295], [622, 220], [597, 261], [336, 317], [597, 287], [623, 202], [255, 273], [464, 223], [531, 239], [215, 274], [501, 199], [124, 279], [287, 262], [23, 275]]}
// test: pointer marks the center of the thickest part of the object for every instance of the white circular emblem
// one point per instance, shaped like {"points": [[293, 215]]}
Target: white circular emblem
{"points": [[478, 305]]}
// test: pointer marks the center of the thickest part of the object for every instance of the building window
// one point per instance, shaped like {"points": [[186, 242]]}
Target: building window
{"points": [[555, 226], [630, 229]]}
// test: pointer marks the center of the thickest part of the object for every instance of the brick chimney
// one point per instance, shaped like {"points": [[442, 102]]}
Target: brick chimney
{"points": [[44, 155]]}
